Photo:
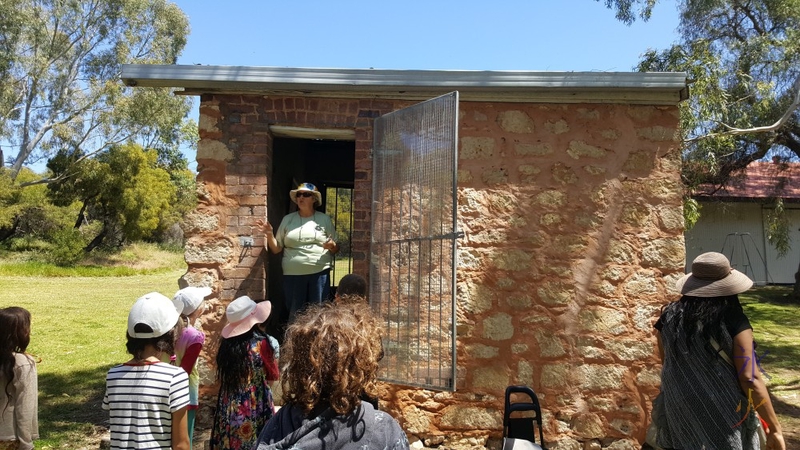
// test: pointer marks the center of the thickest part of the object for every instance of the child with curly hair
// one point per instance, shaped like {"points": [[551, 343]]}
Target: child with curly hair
{"points": [[330, 357]]}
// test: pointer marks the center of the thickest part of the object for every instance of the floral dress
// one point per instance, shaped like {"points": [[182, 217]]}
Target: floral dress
{"points": [[241, 415]]}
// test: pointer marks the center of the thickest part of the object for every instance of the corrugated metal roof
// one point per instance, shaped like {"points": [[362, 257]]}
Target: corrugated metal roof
{"points": [[616, 87], [759, 180]]}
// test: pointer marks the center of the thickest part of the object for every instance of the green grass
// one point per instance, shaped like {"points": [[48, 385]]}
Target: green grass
{"points": [[79, 317], [341, 267], [79, 333], [776, 327], [42, 269]]}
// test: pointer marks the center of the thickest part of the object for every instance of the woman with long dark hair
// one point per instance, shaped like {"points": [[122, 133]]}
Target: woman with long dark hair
{"points": [[19, 422], [246, 368], [713, 394]]}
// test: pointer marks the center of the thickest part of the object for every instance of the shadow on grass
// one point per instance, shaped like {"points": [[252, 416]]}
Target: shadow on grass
{"points": [[775, 317], [784, 356], [776, 295], [70, 404]]}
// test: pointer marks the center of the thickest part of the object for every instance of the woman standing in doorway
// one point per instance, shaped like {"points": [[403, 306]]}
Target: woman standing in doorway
{"points": [[308, 240]]}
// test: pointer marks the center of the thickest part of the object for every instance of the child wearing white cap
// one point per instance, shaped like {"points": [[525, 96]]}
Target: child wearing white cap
{"points": [[146, 398], [189, 304], [246, 368]]}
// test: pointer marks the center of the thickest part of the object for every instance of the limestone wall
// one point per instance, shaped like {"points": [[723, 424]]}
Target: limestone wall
{"points": [[573, 231], [572, 216]]}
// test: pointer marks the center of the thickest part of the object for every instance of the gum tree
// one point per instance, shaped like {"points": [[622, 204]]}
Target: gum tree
{"points": [[60, 89], [743, 60]]}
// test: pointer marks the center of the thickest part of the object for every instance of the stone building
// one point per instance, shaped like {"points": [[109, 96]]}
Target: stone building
{"points": [[567, 219]]}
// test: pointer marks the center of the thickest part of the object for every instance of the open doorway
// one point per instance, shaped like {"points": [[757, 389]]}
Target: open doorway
{"points": [[330, 165]]}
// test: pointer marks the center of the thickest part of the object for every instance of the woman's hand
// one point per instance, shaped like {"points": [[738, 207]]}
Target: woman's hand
{"points": [[330, 246], [269, 238], [265, 226]]}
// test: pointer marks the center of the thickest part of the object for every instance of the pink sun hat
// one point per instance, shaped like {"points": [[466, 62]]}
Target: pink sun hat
{"points": [[242, 314]]}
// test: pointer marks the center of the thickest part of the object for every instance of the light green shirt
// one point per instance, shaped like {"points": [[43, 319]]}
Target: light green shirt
{"points": [[301, 239]]}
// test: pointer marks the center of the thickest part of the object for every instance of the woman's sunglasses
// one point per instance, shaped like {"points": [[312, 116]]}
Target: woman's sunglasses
{"points": [[304, 194]]}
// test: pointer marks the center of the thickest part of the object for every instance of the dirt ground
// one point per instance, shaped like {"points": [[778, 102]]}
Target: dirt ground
{"points": [[786, 401]]}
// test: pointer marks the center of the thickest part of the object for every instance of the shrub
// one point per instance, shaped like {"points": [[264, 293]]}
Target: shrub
{"points": [[68, 247]]}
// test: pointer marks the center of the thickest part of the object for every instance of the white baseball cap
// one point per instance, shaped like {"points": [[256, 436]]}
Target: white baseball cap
{"points": [[154, 310], [188, 299]]}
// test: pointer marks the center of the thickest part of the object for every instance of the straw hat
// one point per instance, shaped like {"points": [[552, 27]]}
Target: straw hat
{"points": [[308, 187], [242, 314], [713, 276]]}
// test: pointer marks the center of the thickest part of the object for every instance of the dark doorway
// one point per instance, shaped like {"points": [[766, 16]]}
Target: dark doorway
{"points": [[328, 164]]}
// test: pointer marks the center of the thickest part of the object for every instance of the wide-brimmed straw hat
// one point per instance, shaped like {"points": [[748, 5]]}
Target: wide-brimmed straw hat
{"points": [[242, 314], [713, 276], [309, 188]]}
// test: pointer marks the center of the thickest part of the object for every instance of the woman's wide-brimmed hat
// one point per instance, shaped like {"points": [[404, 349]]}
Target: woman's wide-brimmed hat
{"points": [[308, 187], [713, 276], [242, 314]]}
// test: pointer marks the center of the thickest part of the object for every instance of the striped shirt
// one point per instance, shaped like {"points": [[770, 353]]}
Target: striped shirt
{"points": [[141, 400]]}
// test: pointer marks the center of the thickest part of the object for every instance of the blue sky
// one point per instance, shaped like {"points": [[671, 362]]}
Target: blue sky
{"points": [[555, 35], [541, 35], [546, 35]]}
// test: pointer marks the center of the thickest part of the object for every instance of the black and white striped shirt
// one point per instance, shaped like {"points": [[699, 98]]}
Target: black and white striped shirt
{"points": [[140, 400]]}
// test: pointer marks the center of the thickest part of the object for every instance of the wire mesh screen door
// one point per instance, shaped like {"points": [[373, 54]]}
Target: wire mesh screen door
{"points": [[413, 248]]}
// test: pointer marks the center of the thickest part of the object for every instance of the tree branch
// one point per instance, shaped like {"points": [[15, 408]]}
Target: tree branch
{"points": [[733, 131]]}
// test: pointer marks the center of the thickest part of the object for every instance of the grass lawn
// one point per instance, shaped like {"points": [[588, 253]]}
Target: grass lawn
{"points": [[776, 326], [79, 333]]}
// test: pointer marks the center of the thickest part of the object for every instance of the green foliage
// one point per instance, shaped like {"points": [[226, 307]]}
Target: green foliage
{"points": [[68, 247], [627, 9], [124, 189], [9, 203], [743, 59], [339, 206], [691, 212], [27, 212], [26, 243], [60, 62], [778, 228], [743, 62]]}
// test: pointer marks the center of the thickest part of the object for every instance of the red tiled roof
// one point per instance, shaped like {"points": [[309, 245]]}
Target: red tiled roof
{"points": [[760, 180]]}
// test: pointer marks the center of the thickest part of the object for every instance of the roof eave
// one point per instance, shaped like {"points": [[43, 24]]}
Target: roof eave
{"points": [[504, 86]]}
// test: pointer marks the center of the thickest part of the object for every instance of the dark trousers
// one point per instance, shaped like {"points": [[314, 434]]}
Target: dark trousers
{"points": [[302, 290]]}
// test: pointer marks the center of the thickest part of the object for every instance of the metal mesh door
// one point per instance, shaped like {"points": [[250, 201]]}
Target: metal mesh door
{"points": [[413, 248]]}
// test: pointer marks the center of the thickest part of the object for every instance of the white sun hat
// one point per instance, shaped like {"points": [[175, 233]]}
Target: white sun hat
{"points": [[242, 314]]}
